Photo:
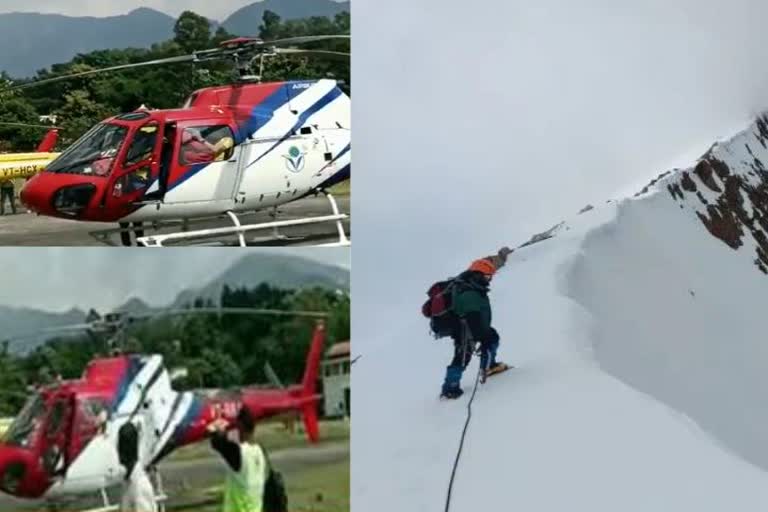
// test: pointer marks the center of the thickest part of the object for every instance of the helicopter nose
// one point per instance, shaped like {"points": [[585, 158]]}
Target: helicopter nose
{"points": [[17, 474], [35, 195], [48, 196]]}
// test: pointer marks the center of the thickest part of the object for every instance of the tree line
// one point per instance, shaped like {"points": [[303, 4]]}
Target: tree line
{"points": [[217, 351], [82, 102]]}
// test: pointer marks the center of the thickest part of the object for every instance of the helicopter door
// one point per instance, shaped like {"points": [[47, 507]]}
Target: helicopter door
{"points": [[90, 419], [277, 173], [140, 167], [166, 161], [206, 167], [57, 434]]}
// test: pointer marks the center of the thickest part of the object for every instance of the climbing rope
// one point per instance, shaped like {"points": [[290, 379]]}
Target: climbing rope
{"points": [[461, 442], [466, 425]]}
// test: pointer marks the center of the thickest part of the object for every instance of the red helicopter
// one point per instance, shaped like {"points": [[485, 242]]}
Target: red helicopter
{"points": [[228, 150], [63, 442]]}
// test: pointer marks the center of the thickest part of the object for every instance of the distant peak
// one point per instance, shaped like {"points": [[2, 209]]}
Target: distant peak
{"points": [[146, 10]]}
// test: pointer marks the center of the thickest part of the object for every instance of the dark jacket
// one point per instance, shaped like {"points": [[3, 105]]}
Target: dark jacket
{"points": [[471, 303]]}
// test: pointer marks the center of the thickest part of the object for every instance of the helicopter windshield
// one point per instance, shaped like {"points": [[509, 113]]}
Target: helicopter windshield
{"points": [[94, 153], [26, 425]]}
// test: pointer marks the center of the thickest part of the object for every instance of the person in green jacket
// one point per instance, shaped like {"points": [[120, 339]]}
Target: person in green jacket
{"points": [[473, 310], [246, 464]]}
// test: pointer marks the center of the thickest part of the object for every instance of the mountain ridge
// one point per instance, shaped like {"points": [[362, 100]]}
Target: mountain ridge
{"points": [[636, 333], [283, 271]]}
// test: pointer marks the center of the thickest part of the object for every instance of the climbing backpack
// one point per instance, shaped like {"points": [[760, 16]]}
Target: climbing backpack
{"points": [[439, 308], [275, 498]]}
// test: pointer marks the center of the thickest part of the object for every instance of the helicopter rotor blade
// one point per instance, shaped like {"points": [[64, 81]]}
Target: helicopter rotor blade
{"points": [[48, 332], [231, 311], [290, 41], [300, 52], [236, 48], [52, 330], [27, 125], [156, 62]]}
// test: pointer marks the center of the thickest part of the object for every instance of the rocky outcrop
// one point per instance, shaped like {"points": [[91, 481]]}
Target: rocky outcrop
{"points": [[737, 189]]}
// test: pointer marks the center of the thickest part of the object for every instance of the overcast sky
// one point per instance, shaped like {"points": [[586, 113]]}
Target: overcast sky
{"points": [[479, 124], [217, 10], [58, 279]]}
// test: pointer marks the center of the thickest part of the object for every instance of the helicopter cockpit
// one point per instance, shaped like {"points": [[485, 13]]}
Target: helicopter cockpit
{"points": [[46, 436], [94, 153], [27, 424], [33, 451]]}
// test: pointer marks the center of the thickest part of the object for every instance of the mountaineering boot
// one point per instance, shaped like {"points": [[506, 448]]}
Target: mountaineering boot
{"points": [[451, 385], [451, 392]]}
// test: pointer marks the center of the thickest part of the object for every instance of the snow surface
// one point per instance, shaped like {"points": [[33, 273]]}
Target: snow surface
{"points": [[641, 382]]}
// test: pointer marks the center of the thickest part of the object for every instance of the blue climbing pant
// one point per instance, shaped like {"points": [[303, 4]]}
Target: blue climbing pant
{"points": [[463, 347]]}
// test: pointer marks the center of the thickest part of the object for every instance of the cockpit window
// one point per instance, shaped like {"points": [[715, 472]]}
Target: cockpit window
{"points": [[143, 144], [94, 413], [56, 419], [94, 153], [203, 144], [28, 423]]}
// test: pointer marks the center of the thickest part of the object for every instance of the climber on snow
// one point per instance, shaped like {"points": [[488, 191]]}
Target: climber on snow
{"points": [[460, 308]]}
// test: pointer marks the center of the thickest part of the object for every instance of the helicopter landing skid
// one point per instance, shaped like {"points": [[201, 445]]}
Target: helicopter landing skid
{"points": [[239, 230]]}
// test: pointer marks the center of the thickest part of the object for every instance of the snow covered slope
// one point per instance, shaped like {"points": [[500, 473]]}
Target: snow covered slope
{"points": [[642, 379]]}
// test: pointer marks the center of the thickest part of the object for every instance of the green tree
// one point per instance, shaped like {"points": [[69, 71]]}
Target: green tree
{"points": [[79, 113], [192, 31], [220, 36], [16, 109], [270, 26]]}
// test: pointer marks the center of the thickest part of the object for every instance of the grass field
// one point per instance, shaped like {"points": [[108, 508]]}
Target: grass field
{"points": [[320, 489]]}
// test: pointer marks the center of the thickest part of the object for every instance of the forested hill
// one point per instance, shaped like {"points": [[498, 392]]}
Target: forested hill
{"points": [[33, 41], [80, 103]]}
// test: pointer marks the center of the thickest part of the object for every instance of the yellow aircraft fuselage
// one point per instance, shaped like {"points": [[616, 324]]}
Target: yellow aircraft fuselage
{"points": [[23, 165]]}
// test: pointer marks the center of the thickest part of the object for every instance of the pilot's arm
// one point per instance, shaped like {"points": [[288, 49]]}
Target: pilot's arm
{"points": [[227, 448], [222, 147]]}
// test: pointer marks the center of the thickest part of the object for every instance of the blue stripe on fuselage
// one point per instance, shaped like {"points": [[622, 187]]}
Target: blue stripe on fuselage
{"points": [[260, 115], [319, 104], [134, 367], [192, 413], [342, 153], [340, 176]]}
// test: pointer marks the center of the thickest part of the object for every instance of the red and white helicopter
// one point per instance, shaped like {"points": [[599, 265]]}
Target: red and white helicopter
{"points": [[64, 440], [228, 150]]}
